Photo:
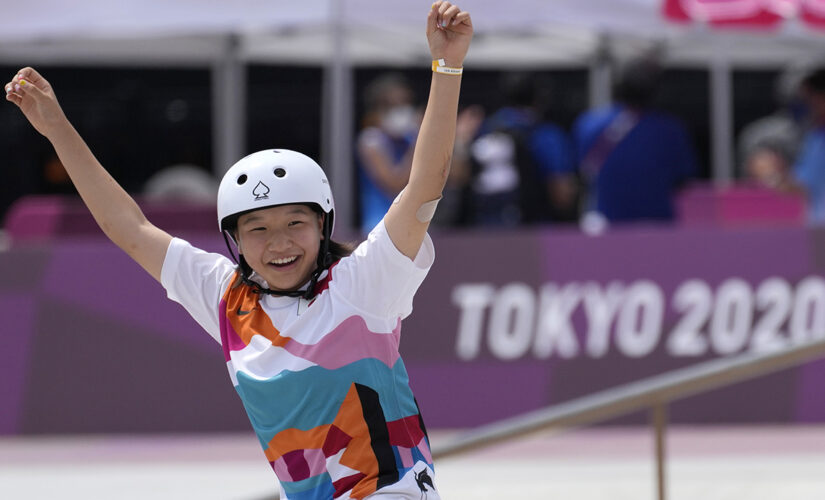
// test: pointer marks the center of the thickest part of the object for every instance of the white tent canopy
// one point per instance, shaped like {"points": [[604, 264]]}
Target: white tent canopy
{"points": [[516, 32], [339, 34]]}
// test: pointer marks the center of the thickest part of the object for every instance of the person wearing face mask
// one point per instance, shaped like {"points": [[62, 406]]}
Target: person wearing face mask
{"points": [[385, 145]]}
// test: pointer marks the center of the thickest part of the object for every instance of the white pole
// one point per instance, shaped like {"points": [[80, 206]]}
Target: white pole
{"points": [[228, 107], [337, 117], [721, 121], [601, 79]]}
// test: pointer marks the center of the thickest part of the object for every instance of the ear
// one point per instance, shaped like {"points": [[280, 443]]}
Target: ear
{"points": [[321, 218]]}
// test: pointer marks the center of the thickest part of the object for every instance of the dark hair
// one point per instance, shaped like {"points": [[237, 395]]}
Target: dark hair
{"points": [[339, 250], [815, 81], [376, 91], [519, 89], [638, 82]]}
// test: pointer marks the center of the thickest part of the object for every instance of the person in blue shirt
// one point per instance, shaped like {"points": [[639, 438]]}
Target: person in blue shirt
{"points": [[632, 157], [385, 145], [809, 168]]}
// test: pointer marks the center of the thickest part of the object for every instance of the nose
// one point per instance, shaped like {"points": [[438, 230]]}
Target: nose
{"points": [[280, 241]]}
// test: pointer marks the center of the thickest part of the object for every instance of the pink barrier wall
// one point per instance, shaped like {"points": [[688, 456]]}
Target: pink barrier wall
{"points": [[506, 322]]}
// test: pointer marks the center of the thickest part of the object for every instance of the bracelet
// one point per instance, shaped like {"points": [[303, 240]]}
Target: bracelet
{"points": [[439, 66]]}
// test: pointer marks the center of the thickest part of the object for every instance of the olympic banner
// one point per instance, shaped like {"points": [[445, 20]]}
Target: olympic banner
{"points": [[506, 322], [529, 319], [755, 14]]}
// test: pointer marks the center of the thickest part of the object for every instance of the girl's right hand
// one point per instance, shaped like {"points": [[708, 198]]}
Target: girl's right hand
{"points": [[35, 98]]}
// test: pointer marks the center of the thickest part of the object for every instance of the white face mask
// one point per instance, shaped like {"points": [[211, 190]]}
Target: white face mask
{"points": [[399, 121]]}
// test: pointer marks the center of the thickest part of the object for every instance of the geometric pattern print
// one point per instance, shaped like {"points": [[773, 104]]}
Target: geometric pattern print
{"points": [[360, 451], [324, 454]]}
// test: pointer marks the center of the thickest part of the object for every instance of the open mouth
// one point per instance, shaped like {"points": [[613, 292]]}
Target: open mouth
{"points": [[285, 262]]}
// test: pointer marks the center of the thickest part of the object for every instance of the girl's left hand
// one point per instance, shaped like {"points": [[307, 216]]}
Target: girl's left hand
{"points": [[449, 31]]}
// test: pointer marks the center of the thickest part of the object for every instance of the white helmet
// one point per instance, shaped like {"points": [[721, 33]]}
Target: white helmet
{"points": [[269, 178]]}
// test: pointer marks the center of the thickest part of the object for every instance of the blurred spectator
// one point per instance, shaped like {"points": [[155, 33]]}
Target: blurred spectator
{"points": [[453, 210], [768, 168], [385, 145], [809, 169], [632, 157], [769, 146], [182, 183], [523, 170]]}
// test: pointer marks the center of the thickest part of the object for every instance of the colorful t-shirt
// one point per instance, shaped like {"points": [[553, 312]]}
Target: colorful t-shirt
{"points": [[322, 382]]}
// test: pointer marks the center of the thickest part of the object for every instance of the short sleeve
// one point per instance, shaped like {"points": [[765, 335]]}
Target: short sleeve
{"points": [[197, 280], [378, 279]]}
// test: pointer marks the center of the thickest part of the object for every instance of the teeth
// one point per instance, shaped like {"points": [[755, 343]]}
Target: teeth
{"points": [[285, 260]]}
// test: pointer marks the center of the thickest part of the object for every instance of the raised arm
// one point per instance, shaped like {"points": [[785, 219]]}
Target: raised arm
{"points": [[113, 209], [449, 31]]}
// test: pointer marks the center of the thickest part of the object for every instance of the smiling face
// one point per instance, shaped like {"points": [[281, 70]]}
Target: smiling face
{"points": [[281, 244]]}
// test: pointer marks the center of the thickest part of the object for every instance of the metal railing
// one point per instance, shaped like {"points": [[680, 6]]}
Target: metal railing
{"points": [[653, 393]]}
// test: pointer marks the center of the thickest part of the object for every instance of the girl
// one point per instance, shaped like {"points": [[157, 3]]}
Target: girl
{"points": [[310, 334]]}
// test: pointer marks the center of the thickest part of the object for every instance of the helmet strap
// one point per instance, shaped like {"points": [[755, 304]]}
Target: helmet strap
{"points": [[324, 259], [323, 262], [226, 237]]}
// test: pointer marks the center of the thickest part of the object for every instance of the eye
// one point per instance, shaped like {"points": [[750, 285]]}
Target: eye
{"points": [[257, 229], [296, 222]]}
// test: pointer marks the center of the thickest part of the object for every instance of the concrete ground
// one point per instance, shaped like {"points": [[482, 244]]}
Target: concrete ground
{"points": [[708, 463]]}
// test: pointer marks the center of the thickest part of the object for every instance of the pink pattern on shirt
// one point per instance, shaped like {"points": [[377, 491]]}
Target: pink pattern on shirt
{"points": [[349, 342]]}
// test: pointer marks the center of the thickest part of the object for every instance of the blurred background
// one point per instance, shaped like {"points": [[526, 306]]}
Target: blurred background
{"points": [[638, 186]]}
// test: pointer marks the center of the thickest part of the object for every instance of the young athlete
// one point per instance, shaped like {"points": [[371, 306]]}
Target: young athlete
{"points": [[310, 334]]}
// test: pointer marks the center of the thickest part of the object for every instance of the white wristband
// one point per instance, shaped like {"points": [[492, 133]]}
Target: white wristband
{"points": [[439, 66]]}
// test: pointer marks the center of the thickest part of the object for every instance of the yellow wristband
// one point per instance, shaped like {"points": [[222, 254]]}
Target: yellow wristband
{"points": [[439, 66]]}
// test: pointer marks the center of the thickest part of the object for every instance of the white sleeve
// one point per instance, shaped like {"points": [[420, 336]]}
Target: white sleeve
{"points": [[378, 279], [196, 280]]}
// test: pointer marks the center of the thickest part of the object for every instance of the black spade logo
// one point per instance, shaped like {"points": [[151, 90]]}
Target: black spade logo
{"points": [[261, 191]]}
